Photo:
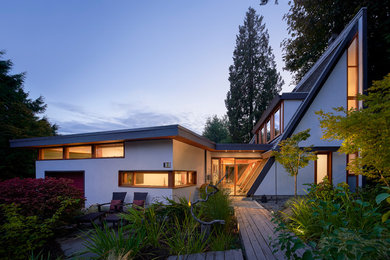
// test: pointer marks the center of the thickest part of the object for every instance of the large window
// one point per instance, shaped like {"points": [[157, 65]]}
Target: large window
{"points": [[272, 126], [163, 179], [323, 167], [79, 152], [268, 133], [82, 152], [352, 178], [353, 75], [277, 123], [109, 150], [51, 153]]}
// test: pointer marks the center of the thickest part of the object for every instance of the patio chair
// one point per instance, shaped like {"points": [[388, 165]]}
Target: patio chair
{"points": [[139, 200], [116, 204]]}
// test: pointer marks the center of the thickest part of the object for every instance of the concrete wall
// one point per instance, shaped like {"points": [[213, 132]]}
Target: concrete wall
{"points": [[101, 175]]}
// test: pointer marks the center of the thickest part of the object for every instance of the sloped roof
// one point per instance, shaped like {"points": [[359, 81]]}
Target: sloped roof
{"points": [[318, 74]]}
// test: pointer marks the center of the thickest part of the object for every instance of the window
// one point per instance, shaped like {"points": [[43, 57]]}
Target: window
{"points": [[83, 152], [277, 122], [156, 179], [268, 130], [323, 167], [52, 153], [261, 136], [272, 127], [352, 178], [109, 150], [353, 74], [79, 152]]}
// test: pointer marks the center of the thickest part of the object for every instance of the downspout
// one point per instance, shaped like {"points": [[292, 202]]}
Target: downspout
{"points": [[276, 182]]}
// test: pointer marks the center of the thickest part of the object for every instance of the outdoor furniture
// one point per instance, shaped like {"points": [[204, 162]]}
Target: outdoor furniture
{"points": [[116, 204], [115, 219], [139, 200], [90, 218]]}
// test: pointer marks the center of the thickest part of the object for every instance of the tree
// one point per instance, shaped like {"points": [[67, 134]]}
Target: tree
{"points": [[292, 157], [19, 118], [216, 129], [312, 23], [365, 131], [254, 80]]}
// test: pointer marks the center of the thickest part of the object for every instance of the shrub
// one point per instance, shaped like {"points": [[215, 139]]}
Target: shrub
{"points": [[218, 206], [341, 224], [41, 197], [106, 243], [22, 235]]}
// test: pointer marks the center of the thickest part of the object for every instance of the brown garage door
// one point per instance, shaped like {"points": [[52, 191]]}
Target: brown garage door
{"points": [[76, 176]]}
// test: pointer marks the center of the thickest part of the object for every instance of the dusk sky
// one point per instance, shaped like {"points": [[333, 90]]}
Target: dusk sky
{"points": [[107, 65]]}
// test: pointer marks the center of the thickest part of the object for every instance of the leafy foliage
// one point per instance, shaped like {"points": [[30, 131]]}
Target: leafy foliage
{"points": [[337, 224], [23, 235], [254, 81], [292, 157], [370, 139], [19, 118], [217, 129], [41, 197], [312, 23], [105, 242]]}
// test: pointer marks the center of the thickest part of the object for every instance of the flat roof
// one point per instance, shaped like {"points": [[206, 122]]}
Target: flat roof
{"points": [[176, 132]]}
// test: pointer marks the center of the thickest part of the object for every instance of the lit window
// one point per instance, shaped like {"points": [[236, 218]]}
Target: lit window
{"points": [[180, 178], [277, 122], [52, 153], [109, 150], [321, 167], [261, 135], [353, 75], [80, 152]]}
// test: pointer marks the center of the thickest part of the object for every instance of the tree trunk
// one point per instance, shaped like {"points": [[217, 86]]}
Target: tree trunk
{"points": [[295, 182]]}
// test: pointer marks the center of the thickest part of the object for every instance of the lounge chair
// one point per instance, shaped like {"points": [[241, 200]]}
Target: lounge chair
{"points": [[116, 204]]}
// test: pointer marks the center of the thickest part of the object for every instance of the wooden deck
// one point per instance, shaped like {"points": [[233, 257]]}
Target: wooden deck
{"points": [[256, 230], [216, 255]]}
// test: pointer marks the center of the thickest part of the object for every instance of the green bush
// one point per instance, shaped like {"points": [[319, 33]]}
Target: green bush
{"points": [[107, 243], [22, 235], [339, 224]]}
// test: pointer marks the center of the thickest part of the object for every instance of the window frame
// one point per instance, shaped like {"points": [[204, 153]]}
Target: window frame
{"points": [[65, 150], [171, 179], [329, 165], [262, 132]]}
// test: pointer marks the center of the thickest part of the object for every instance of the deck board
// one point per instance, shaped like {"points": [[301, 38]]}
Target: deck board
{"points": [[235, 254], [256, 230]]}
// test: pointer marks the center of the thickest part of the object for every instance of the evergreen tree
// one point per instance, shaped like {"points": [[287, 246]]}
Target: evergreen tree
{"points": [[253, 78], [216, 129], [18, 119], [312, 23]]}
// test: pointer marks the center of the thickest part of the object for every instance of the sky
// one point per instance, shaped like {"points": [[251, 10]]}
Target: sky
{"points": [[108, 65]]}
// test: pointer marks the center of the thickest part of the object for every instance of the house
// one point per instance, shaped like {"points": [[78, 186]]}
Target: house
{"points": [[171, 161]]}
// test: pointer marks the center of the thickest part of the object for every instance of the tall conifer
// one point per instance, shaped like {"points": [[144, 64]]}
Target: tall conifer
{"points": [[253, 77]]}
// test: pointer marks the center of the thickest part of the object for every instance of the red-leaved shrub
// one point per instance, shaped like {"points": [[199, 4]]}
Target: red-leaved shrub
{"points": [[41, 197]]}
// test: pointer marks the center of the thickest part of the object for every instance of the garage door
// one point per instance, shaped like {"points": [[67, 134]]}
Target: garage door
{"points": [[76, 176]]}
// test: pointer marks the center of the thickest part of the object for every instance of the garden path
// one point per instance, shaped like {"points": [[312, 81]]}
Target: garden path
{"points": [[256, 229]]}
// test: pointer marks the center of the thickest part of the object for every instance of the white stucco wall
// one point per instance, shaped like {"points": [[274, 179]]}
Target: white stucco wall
{"points": [[189, 158], [290, 107], [332, 94], [285, 182], [101, 175]]}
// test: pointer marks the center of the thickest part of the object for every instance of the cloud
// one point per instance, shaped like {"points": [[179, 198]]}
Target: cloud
{"points": [[75, 119]]}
